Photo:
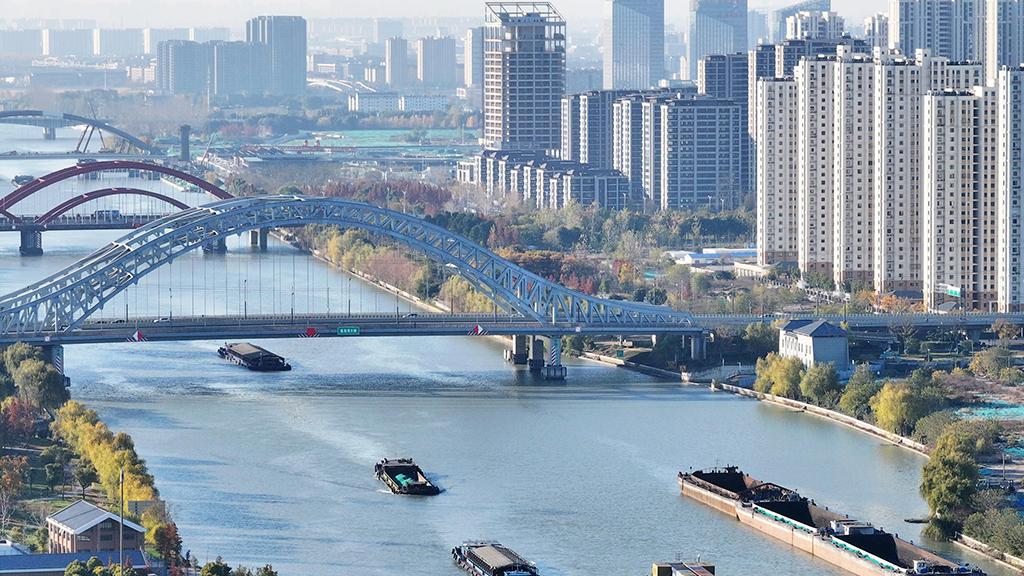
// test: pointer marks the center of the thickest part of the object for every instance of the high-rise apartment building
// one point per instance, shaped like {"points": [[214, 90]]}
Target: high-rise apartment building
{"points": [[945, 28], [959, 198], [285, 38], [815, 80], [725, 76], [716, 27], [239, 68], [152, 37], [67, 43], [634, 44], [436, 62], [216, 34], [1003, 35], [701, 153], [524, 76], [473, 58], [777, 18], [815, 24], [124, 42], [778, 122], [1010, 188], [396, 62], [757, 28], [876, 31], [182, 67]]}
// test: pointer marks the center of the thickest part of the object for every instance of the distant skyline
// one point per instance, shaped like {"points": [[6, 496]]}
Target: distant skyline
{"points": [[233, 13]]}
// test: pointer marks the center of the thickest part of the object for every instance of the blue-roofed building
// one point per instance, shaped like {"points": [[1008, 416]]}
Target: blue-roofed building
{"points": [[815, 341], [55, 564]]}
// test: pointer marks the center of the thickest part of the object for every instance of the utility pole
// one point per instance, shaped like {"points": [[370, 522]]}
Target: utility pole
{"points": [[120, 537]]}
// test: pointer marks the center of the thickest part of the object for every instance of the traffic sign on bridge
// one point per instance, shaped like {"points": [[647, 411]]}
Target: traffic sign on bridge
{"points": [[348, 330]]}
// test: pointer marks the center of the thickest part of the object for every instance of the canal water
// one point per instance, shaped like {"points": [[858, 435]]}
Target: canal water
{"points": [[579, 476]]}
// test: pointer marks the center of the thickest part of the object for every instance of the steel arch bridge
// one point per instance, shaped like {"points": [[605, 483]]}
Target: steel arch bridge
{"points": [[60, 304], [51, 121]]}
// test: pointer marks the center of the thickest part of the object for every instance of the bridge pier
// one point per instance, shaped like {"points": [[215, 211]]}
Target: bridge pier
{"points": [[219, 246], [519, 355], [31, 242], [537, 359], [49, 133], [554, 370], [698, 347], [258, 238]]}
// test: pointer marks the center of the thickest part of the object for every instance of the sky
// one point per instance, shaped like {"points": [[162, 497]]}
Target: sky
{"points": [[141, 13]]}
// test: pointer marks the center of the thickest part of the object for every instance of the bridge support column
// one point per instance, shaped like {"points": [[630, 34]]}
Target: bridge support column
{"points": [[554, 369], [698, 347], [220, 246], [519, 355], [31, 242], [49, 133], [258, 238], [537, 359], [54, 354]]}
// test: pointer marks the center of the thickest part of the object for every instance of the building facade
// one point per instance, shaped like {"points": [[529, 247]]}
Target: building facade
{"points": [[436, 62], [777, 170], [285, 38], [945, 28], [1010, 188], [524, 76], [815, 24], [716, 27]]}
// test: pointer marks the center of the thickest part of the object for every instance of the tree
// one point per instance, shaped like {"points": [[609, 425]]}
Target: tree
{"points": [[15, 354], [54, 475], [760, 338], [856, 397], [241, 571], [821, 385], [779, 376], [991, 362], [1005, 330], [928, 429], [17, 420], [168, 541], [215, 568], [950, 479], [85, 475], [41, 384], [267, 570], [12, 478], [899, 405]]}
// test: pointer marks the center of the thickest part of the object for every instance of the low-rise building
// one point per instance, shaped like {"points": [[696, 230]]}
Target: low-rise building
{"points": [[56, 564], [424, 103], [374, 102], [815, 342], [84, 527]]}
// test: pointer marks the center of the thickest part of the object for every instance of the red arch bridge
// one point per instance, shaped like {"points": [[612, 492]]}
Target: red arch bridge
{"points": [[66, 214]]}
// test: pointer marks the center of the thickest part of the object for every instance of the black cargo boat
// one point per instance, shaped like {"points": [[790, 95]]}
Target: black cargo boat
{"points": [[403, 476], [253, 357], [491, 559]]}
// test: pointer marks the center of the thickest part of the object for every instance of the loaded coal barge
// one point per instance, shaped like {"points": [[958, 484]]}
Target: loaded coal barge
{"points": [[253, 357], [491, 559], [403, 476], [784, 514]]}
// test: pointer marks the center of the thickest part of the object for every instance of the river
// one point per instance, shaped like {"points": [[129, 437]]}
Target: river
{"points": [[578, 476]]}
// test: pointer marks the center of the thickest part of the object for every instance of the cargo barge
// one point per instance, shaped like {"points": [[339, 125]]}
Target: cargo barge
{"points": [[403, 476], [682, 569], [784, 514], [491, 559], [253, 357]]}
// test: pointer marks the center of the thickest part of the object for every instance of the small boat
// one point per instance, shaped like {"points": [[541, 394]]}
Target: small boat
{"points": [[491, 559], [22, 179], [403, 476], [253, 357]]}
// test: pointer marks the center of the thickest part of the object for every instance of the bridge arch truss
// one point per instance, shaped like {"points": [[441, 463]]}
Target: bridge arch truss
{"points": [[41, 118], [63, 301]]}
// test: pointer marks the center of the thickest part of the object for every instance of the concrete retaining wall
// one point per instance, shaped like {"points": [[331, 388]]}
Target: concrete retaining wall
{"points": [[979, 546]]}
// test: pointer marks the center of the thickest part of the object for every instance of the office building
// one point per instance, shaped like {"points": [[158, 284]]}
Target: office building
{"points": [[473, 58], [959, 194], [285, 38], [1010, 188], [701, 153], [945, 28], [152, 37], [524, 76], [815, 25], [757, 28], [436, 62], [876, 31], [777, 18], [396, 62], [67, 43], [777, 170], [1003, 36], [182, 67], [716, 27], [634, 44], [123, 42]]}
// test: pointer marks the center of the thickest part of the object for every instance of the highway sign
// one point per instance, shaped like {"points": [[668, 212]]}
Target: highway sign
{"points": [[953, 291], [348, 330]]}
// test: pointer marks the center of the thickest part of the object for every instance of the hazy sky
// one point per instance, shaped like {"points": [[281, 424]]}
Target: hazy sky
{"points": [[234, 12]]}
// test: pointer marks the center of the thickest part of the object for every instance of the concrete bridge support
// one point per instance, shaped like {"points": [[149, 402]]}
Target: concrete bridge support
{"points": [[537, 359], [698, 347], [49, 133], [519, 355], [31, 243], [554, 370], [218, 246], [258, 239]]}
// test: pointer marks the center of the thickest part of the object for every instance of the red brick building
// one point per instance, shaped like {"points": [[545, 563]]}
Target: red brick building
{"points": [[83, 527]]}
